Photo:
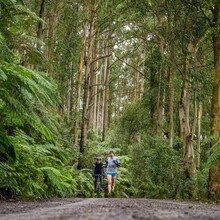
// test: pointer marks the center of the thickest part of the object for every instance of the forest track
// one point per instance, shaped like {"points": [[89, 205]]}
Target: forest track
{"points": [[115, 209]]}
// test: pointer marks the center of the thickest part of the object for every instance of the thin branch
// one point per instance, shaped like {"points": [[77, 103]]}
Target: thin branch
{"points": [[204, 14], [101, 57], [129, 65]]}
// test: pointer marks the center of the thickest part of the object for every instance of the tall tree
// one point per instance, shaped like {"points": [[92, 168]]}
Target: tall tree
{"points": [[171, 70], [106, 85], [80, 79], [214, 177], [87, 79]]}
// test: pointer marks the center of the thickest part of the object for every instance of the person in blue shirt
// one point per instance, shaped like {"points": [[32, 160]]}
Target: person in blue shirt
{"points": [[112, 163]]}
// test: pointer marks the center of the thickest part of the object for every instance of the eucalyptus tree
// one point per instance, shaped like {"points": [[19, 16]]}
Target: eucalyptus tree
{"points": [[88, 79], [96, 52], [211, 12]]}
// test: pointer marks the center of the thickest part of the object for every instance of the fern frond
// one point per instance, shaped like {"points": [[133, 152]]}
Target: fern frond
{"points": [[7, 151], [60, 184], [214, 151], [23, 138], [30, 102], [213, 157], [20, 9], [3, 76], [6, 167], [211, 138], [5, 53]]}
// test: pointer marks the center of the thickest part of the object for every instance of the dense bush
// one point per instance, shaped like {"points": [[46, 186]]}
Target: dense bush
{"points": [[155, 168], [38, 171]]}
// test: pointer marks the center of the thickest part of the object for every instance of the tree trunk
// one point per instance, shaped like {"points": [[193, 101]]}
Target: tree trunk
{"points": [[214, 172], [171, 72], [199, 118], [136, 86], [40, 24], [106, 87], [188, 152], [95, 104], [93, 70], [79, 83], [186, 132], [87, 84], [171, 106], [95, 89], [53, 23], [158, 115], [69, 97], [99, 102], [136, 78]]}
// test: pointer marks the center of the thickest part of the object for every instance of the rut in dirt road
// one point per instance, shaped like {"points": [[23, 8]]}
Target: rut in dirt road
{"points": [[117, 209]]}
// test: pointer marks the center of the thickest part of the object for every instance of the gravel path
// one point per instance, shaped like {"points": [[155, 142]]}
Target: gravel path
{"points": [[105, 209]]}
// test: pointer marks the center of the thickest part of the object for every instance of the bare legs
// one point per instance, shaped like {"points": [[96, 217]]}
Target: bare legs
{"points": [[111, 183], [109, 178]]}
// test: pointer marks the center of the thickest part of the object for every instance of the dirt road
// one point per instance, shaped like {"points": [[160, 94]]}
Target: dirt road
{"points": [[114, 209]]}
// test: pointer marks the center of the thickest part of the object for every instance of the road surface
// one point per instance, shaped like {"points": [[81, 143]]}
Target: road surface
{"points": [[107, 209]]}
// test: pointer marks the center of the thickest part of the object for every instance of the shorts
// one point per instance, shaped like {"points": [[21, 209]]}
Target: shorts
{"points": [[112, 174]]}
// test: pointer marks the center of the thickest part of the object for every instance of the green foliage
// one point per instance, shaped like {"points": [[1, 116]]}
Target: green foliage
{"points": [[33, 162], [7, 151], [213, 153], [202, 183], [58, 184], [25, 92], [17, 20], [39, 171], [133, 123], [84, 180], [155, 168], [125, 187]]}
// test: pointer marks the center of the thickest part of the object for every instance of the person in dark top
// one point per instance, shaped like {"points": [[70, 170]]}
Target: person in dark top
{"points": [[98, 169]]}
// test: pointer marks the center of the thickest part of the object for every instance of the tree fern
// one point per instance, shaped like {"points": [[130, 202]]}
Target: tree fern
{"points": [[58, 183], [38, 172], [85, 184], [7, 151], [5, 53], [8, 181], [15, 30], [34, 94], [214, 151]]}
